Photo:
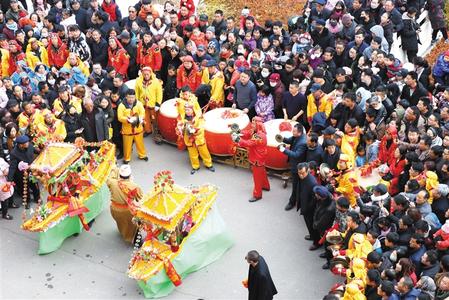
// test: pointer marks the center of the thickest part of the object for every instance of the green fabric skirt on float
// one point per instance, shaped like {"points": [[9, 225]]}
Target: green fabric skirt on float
{"points": [[206, 245], [53, 238]]}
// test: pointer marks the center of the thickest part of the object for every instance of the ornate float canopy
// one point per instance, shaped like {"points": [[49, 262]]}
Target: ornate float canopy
{"points": [[55, 158], [166, 204]]}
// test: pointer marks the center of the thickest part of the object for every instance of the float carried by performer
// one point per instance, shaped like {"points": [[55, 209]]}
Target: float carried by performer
{"points": [[74, 182], [182, 232]]}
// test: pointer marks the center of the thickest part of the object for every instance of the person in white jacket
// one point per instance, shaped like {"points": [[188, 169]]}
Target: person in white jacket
{"points": [[6, 190]]}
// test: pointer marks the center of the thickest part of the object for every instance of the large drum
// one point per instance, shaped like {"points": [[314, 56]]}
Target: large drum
{"points": [[276, 160], [217, 131], [167, 120]]}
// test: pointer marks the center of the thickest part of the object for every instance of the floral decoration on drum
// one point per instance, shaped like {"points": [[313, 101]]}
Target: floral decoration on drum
{"points": [[230, 114], [285, 126], [163, 181]]}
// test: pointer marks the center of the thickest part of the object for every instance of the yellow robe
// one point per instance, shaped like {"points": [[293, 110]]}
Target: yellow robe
{"points": [[348, 186], [54, 132], [74, 101], [28, 124], [80, 65], [349, 144], [132, 134], [149, 95], [217, 83], [119, 205], [32, 60], [193, 101], [325, 106]]}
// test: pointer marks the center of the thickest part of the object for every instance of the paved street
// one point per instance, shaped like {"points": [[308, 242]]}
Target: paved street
{"points": [[93, 265]]}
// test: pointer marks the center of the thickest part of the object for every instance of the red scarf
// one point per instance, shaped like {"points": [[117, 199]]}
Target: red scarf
{"points": [[110, 9]]}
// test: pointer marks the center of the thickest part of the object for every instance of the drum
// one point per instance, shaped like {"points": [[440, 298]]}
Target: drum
{"points": [[217, 131], [277, 160], [167, 120]]}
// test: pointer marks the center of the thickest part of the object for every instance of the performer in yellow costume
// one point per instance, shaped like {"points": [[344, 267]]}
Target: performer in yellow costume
{"points": [[52, 129], [351, 140], [131, 114], [124, 193], [62, 103], [348, 184], [186, 96], [317, 101], [149, 93], [214, 77], [191, 128], [29, 119], [431, 183]]}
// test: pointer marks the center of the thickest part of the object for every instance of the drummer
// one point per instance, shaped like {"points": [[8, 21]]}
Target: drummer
{"points": [[186, 96], [191, 128], [149, 93]]}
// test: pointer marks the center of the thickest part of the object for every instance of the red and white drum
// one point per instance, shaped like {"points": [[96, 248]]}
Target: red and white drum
{"points": [[167, 120], [217, 131], [276, 160]]}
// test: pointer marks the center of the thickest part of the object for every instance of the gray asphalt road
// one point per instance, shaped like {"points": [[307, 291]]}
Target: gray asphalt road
{"points": [[93, 265]]}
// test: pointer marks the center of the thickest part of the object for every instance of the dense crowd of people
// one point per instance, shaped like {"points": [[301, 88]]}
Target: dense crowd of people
{"points": [[65, 64]]}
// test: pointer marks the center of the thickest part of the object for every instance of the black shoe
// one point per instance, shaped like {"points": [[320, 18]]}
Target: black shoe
{"points": [[211, 168], [193, 171], [27, 206], [13, 206], [254, 199], [289, 207], [314, 247], [308, 238], [7, 217], [323, 255], [125, 162], [326, 266], [120, 156], [265, 189], [146, 134], [144, 158]]}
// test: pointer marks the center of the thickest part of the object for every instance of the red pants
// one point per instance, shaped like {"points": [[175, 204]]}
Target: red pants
{"points": [[260, 180]]}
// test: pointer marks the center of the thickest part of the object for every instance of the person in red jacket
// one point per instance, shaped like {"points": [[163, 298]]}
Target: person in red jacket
{"points": [[15, 55], [148, 53], [109, 6], [118, 58], [57, 51], [188, 74], [189, 4], [397, 164], [388, 145], [255, 140]]}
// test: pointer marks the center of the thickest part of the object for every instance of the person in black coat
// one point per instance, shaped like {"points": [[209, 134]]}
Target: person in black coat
{"points": [[80, 14], [259, 283], [413, 90], [409, 33], [324, 215], [351, 111], [307, 202], [98, 48], [314, 150], [322, 36], [94, 123], [22, 152], [331, 154], [296, 154], [72, 125]]}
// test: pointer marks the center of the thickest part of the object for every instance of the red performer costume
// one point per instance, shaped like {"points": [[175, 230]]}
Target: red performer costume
{"points": [[388, 145], [255, 140]]}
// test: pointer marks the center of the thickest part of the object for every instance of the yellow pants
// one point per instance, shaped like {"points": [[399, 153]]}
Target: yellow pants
{"points": [[128, 146], [203, 152]]}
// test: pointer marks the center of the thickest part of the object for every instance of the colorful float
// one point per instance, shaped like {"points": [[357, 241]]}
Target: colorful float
{"points": [[72, 181], [182, 232]]}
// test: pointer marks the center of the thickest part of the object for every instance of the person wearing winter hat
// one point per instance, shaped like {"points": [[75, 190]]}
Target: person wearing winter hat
{"points": [[124, 200]]}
